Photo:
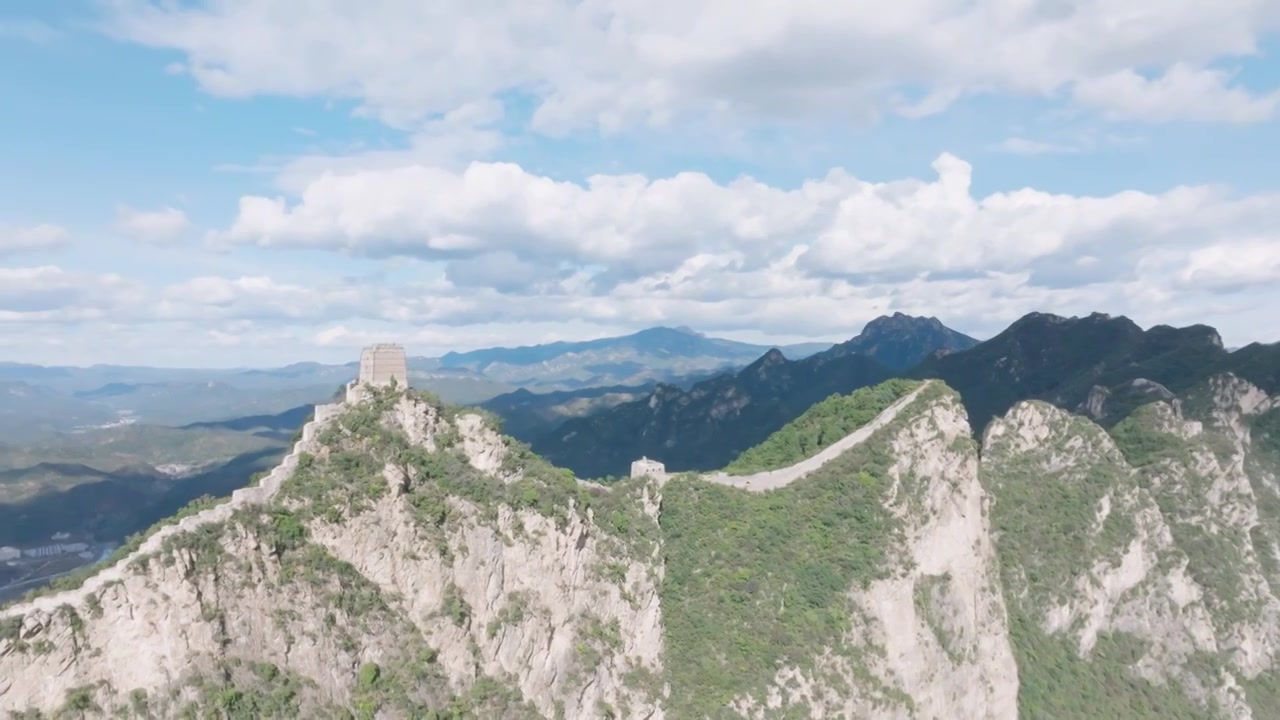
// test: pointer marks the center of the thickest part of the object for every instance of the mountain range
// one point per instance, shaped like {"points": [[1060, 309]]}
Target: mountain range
{"points": [[710, 423], [104, 451], [1098, 365], [408, 561], [41, 401]]}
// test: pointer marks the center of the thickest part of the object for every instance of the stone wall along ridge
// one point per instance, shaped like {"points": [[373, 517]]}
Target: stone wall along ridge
{"points": [[772, 479], [265, 490]]}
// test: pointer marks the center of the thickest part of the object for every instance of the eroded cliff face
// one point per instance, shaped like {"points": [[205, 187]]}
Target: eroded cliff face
{"points": [[928, 638], [409, 561], [1135, 564]]}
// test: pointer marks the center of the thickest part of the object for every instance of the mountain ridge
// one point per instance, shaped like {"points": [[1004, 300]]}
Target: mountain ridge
{"points": [[431, 564]]}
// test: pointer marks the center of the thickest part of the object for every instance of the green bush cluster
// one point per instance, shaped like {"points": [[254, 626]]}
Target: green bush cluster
{"points": [[820, 426], [1142, 442]]}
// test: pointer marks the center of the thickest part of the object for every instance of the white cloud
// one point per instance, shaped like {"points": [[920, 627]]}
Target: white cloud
{"points": [[1234, 266], [1182, 92], [615, 64], [159, 226], [514, 258], [47, 293], [528, 228], [17, 239]]}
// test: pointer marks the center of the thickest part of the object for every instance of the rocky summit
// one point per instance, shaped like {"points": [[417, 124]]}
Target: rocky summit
{"points": [[871, 559]]}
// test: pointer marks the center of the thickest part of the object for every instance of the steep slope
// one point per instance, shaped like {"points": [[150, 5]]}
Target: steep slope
{"points": [[711, 423], [1140, 570], [865, 587], [408, 561]]}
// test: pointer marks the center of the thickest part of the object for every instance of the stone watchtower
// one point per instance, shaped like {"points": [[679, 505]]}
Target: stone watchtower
{"points": [[645, 466], [380, 365]]}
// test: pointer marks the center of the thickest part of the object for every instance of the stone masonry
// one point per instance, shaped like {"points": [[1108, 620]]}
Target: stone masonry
{"points": [[380, 364], [645, 466]]}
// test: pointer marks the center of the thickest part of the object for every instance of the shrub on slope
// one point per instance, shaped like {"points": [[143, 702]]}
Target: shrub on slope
{"points": [[820, 426]]}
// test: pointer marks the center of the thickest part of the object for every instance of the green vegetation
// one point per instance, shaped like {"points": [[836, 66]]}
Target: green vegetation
{"points": [[756, 580], [930, 594], [1141, 440], [1047, 520], [1048, 534], [362, 444], [1055, 682], [1046, 517], [512, 612], [820, 426], [248, 691], [1172, 468]]}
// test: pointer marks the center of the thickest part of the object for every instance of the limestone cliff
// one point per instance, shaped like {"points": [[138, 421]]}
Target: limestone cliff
{"points": [[1139, 566], [412, 562], [408, 561]]}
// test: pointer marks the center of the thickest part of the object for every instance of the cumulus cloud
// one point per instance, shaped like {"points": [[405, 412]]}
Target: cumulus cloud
{"points": [[626, 62], [508, 229], [18, 239], [497, 252], [159, 226]]}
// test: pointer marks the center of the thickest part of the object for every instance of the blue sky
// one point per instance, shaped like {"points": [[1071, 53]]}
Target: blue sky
{"points": [[761, 177]]}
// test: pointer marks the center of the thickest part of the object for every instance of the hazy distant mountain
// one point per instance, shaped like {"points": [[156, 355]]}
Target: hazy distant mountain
{"points": [[656, 354], [39, 401]]}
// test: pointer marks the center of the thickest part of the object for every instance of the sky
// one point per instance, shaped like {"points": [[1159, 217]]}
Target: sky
{"points": [[219, 183]]}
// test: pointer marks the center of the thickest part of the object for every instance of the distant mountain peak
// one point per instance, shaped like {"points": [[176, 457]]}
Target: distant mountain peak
{"points": [[901, 341], [773, 357]]}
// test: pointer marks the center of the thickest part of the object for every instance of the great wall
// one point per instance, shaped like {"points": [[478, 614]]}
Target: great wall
{"points": [[774, 479], [382, 365], [379, 365]]}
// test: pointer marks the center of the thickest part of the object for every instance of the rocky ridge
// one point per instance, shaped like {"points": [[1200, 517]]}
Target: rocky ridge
{"points": [[412, 562]]}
